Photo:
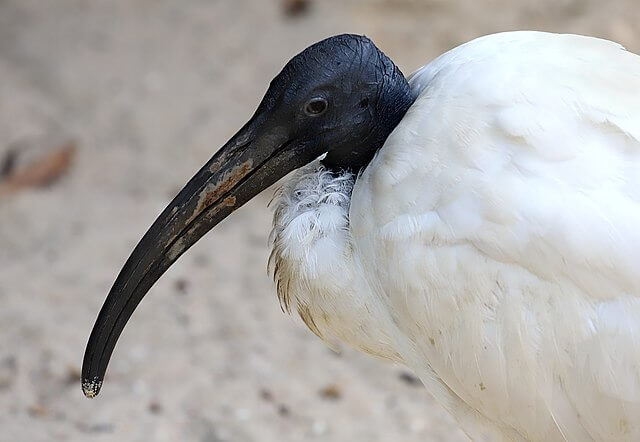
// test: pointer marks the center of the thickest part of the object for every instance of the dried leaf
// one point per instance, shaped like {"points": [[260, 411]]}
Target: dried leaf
{"points": [[331, 392], [295, 8], [38, 410], [41, 172]]}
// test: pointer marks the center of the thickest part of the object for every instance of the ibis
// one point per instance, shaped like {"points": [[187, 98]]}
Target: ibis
{"points": [[477, 221]]}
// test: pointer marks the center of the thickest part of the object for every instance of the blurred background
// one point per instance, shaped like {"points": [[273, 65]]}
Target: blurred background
{"points": [[106, 109]]}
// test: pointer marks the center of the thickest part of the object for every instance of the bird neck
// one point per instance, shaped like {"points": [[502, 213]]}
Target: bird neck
{"points": [[393, 102]]}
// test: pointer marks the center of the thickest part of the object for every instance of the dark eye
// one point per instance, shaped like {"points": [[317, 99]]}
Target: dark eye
{"points": [[316, 106]]}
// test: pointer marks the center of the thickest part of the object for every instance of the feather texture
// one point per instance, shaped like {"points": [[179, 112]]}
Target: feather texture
{"points": [[492, 243]]}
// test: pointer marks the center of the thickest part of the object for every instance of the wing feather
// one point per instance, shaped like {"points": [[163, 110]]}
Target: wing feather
{"points": [[501, 219]]}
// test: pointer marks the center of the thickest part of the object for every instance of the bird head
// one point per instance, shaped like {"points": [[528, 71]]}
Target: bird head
{"points": [[341, 97]]}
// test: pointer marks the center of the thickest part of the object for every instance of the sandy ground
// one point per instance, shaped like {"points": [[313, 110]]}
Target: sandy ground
{"points": [[148, 90]]}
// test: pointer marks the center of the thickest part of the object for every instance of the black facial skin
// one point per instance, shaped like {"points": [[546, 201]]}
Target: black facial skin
{"points": [[341, 96]]}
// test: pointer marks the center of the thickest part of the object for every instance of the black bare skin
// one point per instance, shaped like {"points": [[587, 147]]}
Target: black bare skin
{"points": [[341, 96]]}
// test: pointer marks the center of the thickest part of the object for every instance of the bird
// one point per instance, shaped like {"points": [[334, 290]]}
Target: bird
{"points": [[476, 221]]}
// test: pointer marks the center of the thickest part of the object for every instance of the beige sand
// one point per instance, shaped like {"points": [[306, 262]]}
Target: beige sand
{"points": [[149, 89]]}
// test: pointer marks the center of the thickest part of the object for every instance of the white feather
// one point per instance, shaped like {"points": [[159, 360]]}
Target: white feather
{"points": [[492, 243]]}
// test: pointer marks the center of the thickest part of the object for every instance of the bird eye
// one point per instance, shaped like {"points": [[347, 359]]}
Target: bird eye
{"points": [[316, 106]]}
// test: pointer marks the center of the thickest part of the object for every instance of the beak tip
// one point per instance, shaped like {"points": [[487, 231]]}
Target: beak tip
{"points": [[91, 388]]}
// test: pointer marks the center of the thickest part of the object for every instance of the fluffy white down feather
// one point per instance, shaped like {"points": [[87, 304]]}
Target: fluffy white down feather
{"points": [[492, 245]]}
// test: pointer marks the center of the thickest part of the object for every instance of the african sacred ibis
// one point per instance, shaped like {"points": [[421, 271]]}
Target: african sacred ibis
{"points": [[478, 222]]}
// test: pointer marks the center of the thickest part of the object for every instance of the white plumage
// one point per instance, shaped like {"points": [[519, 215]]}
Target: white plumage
{"points": [[493, 243]]}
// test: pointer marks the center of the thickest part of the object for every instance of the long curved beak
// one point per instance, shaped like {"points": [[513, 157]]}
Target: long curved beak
{"points": [[256, 157]]}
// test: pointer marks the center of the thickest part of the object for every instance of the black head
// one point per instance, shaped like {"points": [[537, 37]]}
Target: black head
{"points": [[341, 96]]}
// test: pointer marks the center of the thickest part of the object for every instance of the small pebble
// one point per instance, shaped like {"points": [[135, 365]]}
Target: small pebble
{"points": [[155, 407], [409, 379], [331, 392], [73, 375], [266, 395], [181, 285], [283, 410]]}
